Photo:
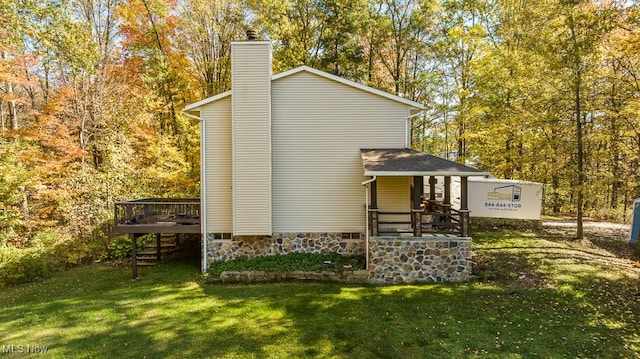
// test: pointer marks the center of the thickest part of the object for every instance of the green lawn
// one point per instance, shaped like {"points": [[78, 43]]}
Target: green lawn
{"points": [[535, 296]]}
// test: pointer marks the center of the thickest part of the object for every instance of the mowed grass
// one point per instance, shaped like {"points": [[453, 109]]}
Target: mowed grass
{"points": [[534, 296]]}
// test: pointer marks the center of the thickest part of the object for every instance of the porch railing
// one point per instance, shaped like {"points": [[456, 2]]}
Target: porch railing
{"points": [[433, 217], [157, 210]]}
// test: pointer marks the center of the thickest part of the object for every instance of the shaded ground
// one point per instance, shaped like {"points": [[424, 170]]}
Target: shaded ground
{"points": [[613, 237], [530, 262], [536, 294], [597, 229]]}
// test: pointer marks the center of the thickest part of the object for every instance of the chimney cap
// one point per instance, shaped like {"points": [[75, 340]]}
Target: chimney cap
{"points": [[252, 35]]}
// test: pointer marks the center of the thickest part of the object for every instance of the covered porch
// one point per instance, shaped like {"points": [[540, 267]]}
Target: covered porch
{"points": [[413, 236], [396, 202]]}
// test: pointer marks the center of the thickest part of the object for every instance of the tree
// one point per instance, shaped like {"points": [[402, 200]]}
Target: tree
{"points": [[316, 33], [398, 45], [461, 40], [205, 33], [578, 28]]}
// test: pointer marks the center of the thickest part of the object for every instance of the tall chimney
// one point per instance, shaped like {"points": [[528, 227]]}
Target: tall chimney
{"points": [[251, 136]]}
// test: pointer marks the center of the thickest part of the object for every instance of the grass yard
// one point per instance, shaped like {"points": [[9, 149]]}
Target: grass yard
{"points": [[535, 295]]}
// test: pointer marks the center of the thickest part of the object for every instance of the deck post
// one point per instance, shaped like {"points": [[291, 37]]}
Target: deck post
{"points": [[464, 207], [158, 246], [134, 255]]}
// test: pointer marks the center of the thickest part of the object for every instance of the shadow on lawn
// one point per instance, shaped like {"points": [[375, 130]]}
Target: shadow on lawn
{"points": [[436, 321], [544, 301]]}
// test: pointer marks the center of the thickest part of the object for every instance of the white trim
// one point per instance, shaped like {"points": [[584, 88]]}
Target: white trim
{"points": [[349, 83], [426, 173], [366, 219], [407, 128], [207, 100], [203, 197], [326, 75]]}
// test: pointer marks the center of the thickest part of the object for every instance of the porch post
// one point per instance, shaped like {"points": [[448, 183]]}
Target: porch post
{"points": [[134, 255], [432, 193], [446, 204], [464, 208], [373, 209], [418, 192]]}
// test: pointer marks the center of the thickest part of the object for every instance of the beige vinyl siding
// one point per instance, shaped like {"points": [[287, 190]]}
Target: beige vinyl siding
{"points": [[394, 196], [319, 126], [216, 179], [251, 131]]}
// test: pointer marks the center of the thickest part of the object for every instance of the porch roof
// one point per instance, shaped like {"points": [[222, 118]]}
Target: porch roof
{"points": [[408, 162]]}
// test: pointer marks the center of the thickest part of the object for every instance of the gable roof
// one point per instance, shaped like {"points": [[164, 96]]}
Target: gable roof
{"points": [[416, 107], [196, 105], [407, 162]]}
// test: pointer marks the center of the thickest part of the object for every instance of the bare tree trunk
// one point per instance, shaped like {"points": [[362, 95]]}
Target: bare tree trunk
{"points": [[577, 84], [3, 118], [13, 113], [581, 179]]}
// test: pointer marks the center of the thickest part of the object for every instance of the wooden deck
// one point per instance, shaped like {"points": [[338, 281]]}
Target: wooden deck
{"points": [[157, 215]]}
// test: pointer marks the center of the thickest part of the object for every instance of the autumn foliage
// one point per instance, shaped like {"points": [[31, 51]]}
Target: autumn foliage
{"points": [[91, 93]]}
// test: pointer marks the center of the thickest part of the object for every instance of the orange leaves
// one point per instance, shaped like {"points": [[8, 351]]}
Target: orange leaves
{"points": [[58, 128], [147, 23]]}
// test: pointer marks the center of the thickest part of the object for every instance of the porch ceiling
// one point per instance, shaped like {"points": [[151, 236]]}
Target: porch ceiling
{"points": [[407, 162]]}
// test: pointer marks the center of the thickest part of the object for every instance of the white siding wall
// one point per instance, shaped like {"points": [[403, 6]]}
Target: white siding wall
{"points": [[251, 126], [216, 180], [394, 196], [319, 127]]}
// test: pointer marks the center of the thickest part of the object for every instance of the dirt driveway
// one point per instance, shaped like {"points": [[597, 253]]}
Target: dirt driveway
{"points": [[591, 229]]}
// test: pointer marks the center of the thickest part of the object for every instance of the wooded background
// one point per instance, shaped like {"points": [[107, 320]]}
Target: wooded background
{"points": [[91, 93]]}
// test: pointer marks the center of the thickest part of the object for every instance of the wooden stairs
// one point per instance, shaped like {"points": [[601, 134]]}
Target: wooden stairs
{"points": [[165, 244]]}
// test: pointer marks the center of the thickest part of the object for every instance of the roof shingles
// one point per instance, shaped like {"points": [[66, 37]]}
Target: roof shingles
{"points": [[407, 162]]}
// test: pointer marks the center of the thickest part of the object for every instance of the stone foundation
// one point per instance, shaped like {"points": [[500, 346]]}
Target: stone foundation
{"points": [[219, 249], [392, 260], [428, 260]]}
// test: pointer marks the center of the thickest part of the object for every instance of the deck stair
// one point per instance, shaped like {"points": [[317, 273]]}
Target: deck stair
{"points": [[148, 256]]}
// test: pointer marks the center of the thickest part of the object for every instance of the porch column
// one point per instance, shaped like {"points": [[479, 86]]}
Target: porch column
{"points": [[446, 204], [432, 193], [464, 208], [418, 192], [373, 209]]}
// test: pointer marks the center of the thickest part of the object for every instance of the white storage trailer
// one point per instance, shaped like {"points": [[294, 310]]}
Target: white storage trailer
{"points": [[495, 198]]}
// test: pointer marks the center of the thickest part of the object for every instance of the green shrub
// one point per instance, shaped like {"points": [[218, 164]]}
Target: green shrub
{"points": [[120, 247], [25, 265], [48, 252], [331, 262]]}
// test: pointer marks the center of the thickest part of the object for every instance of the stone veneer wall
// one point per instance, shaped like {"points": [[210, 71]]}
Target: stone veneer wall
{"points": [[283, 243], [392, 260], [395, 260]]}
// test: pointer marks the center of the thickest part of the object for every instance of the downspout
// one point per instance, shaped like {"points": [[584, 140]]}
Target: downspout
{"points": [[203, 197], [366, 219], [407, 129]]}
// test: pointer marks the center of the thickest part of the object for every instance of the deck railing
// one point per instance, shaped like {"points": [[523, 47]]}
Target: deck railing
{"points": [[157, 210]]}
